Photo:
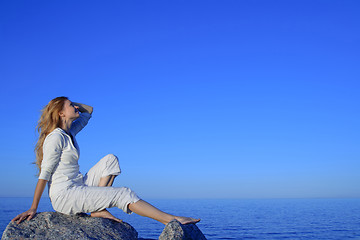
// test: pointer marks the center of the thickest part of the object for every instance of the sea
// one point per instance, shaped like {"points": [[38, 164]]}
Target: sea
{"points": [[237, 218]]}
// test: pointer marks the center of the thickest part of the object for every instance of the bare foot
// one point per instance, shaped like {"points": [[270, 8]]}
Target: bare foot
{"points": [[187, 220], [105, 214]]}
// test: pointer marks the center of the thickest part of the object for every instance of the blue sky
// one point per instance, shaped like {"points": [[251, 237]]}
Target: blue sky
{"points": [[198, 99]]}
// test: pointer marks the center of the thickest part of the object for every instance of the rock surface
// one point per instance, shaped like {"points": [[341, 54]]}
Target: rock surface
{"points": [[176, 231], [53, 225]]}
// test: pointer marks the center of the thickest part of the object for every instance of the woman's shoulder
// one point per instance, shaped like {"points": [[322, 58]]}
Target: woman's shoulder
{"points": [[56, 135]]}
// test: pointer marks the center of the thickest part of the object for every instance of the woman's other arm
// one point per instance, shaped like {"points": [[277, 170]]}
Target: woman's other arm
{"points": [[84, 108], [82, 121], [29, 214]]}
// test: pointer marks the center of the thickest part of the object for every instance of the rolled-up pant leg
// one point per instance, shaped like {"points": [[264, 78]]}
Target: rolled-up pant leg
{"points": [[87, 199], [90, 197], [108, 165]]}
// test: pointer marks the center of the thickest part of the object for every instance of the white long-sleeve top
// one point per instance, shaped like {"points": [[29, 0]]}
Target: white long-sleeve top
{"points": [[60, 157]]}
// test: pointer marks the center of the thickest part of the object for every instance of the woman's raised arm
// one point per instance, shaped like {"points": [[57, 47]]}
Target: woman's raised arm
{"points": [[29, 214], [83, 107]]}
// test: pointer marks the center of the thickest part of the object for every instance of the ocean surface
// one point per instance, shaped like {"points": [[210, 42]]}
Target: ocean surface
{"points": [[237, 218]]}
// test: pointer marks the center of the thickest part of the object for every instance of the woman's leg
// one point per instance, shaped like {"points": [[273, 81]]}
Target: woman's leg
{"points": [[102, 171], [140, 207], [106, 182], [147, 210], [107, 165]]}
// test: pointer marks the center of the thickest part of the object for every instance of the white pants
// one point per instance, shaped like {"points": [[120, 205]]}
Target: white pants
{"points": [[91, 198]]}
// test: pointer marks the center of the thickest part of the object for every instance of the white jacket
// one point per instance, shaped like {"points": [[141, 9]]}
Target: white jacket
{"points": [[60, 157]]}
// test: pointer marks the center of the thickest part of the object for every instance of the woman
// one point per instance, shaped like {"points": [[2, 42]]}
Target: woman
{"points": [[57, 155]]}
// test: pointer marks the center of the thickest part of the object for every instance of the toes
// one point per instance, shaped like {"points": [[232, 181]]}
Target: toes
{"points": [[186, 220], [116, 219]]}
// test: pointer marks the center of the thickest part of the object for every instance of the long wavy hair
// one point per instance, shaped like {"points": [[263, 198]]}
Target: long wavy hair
{"points": [[49, 120]]}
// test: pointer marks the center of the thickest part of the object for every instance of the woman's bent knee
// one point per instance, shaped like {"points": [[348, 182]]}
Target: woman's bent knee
{"points": [[111, 160], [112, 157]]}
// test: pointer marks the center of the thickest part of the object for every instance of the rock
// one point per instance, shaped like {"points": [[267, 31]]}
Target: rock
{"points": [[53, 225], [174, 230]]}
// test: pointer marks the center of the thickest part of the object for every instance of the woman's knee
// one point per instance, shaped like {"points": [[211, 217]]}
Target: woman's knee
{"points": [[112, 164], [111, 159], [112, 156]]}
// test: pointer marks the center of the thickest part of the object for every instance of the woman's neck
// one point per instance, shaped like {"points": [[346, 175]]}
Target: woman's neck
{"points": [[65, 125]]}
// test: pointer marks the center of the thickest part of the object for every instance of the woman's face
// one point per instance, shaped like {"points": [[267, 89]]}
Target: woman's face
{"points": [[70, 111]]}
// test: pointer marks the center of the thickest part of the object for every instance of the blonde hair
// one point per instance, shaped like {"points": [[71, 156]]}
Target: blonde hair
{"points": [[49, 120]]}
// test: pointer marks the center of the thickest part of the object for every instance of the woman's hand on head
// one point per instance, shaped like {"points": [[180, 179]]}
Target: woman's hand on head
{"points": [[83, 107], [29, 214]]}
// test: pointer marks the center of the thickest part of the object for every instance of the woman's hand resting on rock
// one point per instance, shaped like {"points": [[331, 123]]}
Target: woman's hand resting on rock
{"points": [[29, 214]]}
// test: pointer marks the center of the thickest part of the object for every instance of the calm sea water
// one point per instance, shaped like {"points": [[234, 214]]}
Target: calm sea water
{"points": [[238, 219]]}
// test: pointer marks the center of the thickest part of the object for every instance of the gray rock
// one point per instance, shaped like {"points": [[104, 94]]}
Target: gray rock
{"points": [[174, 230], [53, 225]]}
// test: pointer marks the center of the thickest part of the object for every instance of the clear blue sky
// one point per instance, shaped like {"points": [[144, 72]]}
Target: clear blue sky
{"points": [[198, 99]]}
